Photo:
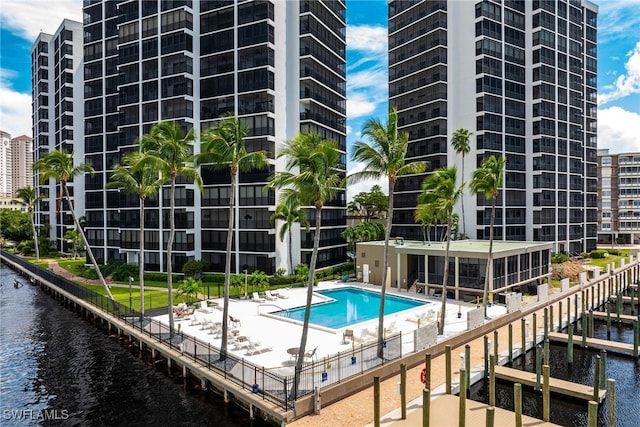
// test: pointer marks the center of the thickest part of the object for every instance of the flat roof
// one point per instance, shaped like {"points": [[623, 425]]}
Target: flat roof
{"points": [[470, 248]]}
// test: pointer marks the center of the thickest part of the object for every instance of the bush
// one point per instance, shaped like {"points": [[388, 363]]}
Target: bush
{"points": [[124, 271], [613, 251], [584, 254], [559, 258], [195, 268], [599, 254]]}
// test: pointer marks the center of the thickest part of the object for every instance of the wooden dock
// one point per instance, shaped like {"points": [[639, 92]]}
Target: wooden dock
{"points": [[610, 346], [444, 412], [624, 318], [625, 300], [567, 388]]}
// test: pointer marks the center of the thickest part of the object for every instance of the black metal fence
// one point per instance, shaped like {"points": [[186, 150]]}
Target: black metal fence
{"points": [[271, 386]]}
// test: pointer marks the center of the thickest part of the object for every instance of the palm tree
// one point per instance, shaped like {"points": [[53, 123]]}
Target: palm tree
{"points": [[166, 148], [315, 184], [460, 143], [223, 148], [73, 237], [440, 191], [58, 165], [144, 182], [384, 157], [29, 198], [290, 214], [425, 215], [488, 179]]}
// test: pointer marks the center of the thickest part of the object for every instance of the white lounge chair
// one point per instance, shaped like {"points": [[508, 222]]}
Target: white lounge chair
{"points": [[254, 348], [257, 298], [364, 336], [269, 296], [282, 293]]}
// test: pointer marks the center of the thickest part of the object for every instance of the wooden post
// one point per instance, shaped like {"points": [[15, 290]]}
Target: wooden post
{"points": [[523, 340], [570, 345], [584, 330], [636, 338], [486, 354], [608, 304], [427, 366], [568, 310], [376, 401], [517, 403], [618, 307], [447, 363], [575, 307], [592, 417], [546, 351], [534, 329], [495, 343], [599, 300], [546, 400], [538, 367], [559, 316], [467, 368], [592, 291], [611, 398], [603, 368], [510, 343], [403, 391], [591, 324], [426, 407], [490, 420], [596, 380], [492, 381], [545, 322], [462, 407]]}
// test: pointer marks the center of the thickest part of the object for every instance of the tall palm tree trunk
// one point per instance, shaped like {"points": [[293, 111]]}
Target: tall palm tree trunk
{"points": [[227, 267], [35, 235], [487, 282], [86, 244], [172, 232], [141, 260], [290, 251], [464, 219], [385, 267], [307, 312], [445, 279]]}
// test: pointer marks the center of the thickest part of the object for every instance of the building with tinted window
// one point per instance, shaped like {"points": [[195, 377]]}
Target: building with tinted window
{"points": [[57, 117], [521, 76], [278, 65]]}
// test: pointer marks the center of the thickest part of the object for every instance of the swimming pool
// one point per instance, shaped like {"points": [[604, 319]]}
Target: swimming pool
{"points": [[348, 306]]}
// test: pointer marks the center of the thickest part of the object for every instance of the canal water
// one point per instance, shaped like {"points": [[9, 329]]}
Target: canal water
{"points": [[57, 369], [571, 412]]}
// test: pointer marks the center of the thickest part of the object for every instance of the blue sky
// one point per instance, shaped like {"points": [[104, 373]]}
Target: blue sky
{"points": [[618, 66]]}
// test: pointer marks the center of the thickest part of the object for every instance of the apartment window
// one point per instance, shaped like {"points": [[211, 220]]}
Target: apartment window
{"points": [[606, 161]]}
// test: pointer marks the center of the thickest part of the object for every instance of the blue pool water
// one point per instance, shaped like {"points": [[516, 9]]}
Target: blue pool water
{"points": [[349, 306]]}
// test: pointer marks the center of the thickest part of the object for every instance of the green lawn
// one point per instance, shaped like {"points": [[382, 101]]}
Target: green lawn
{"points": [[602, 262], [152, 298]]}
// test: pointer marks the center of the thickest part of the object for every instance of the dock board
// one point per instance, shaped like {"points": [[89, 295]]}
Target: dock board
{"points": [[444, 412], [624, 318], [625, 300], [567, 388], [610, 346]]}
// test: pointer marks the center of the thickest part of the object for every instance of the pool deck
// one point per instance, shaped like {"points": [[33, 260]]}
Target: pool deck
{"points": [[276, 335]]}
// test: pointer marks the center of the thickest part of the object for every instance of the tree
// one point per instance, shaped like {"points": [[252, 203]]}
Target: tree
{"points": [[460, 143], [29, 198], [488, 180], [73, 237], [440, 191], [195, 268], [384, 157], [190, 288], [370, 204], [290, 214], [316, 183], [167, 149], [259, 279], [143, 181], [363, 232], [426, 215], [223, 148], [58, 165]]}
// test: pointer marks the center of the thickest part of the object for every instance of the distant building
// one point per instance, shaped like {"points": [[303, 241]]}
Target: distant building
{"points": [[522, 77], [58, 120], [5, 165], [618, 197], [21, 162]]}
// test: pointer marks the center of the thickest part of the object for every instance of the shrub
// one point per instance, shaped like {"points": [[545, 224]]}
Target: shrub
{"points": [[124, 271], [613, 251], [280, 272], [584, 254], [195, 268], [559, 258], [599, 254]]}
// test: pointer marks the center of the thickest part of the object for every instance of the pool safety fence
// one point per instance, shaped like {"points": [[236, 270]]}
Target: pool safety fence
{"points": [[268, 383]]}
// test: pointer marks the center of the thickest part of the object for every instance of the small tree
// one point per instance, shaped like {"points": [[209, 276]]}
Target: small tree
{"points": [[259, 279], [195, 268], [190, 288], [77, 245], [371, 204]]}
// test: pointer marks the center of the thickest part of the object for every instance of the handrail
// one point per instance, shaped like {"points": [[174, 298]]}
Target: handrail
{"points": [[268, 304]]}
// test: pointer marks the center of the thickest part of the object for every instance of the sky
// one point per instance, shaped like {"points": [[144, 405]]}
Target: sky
{"points": [[367, 89]]}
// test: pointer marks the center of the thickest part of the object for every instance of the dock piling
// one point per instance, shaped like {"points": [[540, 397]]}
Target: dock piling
{"points": [[570, 345], [486, 354], [462, 407], [523, 339], [559, 316], [545, 322], [403, 390], [596, 379], [467, 368], [495, 343], [538, 367], [427, 367], [426, 407], [592, 417], [611, 397], [490, 419], [636, 338], [376, 401], [447, 363], [534, 330], [510, 343], [517, 403], [546, 397], [603, 368], [492, 381]]}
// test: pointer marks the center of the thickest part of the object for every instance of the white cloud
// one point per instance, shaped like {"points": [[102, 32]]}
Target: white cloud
{"points": [[366, 38], [27, 18], [618, 130], [15, 111], [359, 105], [625, 84], [369, 78], [354, 189]]}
